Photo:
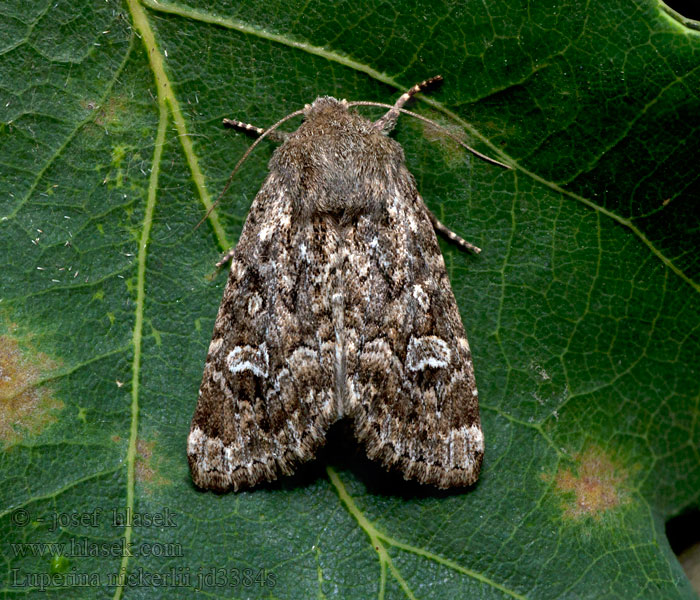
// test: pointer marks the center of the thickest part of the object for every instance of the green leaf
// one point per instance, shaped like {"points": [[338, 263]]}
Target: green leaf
{"points": [[582, 310]]}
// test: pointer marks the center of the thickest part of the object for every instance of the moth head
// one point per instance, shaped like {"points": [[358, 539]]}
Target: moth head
{"points": [[327, 112], [323, 105]]}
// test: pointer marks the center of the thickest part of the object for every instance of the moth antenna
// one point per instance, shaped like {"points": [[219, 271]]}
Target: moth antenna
{"points": [[386, 123], [275, 136], [263, 135], [475, 152], [451, 235]]}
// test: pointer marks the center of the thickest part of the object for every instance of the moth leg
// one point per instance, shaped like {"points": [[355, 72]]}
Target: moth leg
{"points": [[451, 235], [275, 136], [225, 258], [386, 123]]}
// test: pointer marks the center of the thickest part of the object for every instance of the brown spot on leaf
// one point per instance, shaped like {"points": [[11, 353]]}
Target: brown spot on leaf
{"points": [[144, 469], [26, 406], [596, 485], [109, 113]]}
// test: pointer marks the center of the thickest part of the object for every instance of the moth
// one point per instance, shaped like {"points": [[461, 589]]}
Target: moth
{"points": [[337, 305]]}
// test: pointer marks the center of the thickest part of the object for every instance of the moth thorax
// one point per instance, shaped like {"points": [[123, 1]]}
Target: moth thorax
{"points": [[343, 198], [349, 175]]}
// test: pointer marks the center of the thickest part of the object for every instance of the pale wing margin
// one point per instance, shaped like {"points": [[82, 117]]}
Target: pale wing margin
{"points": [[267, 395]]}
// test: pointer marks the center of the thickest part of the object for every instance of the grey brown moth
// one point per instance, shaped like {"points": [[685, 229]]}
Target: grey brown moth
{"points": [[337, 305]]}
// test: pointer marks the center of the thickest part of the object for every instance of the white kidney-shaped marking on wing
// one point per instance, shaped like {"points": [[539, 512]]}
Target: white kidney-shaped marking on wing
{"points": [[249, 358], [425, 352]]}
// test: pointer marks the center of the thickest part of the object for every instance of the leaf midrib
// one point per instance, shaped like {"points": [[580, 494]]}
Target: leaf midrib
{"points": [[148, 39]]}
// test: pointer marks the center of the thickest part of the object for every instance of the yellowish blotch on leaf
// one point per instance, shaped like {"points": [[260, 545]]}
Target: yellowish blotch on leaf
{"points": [[118, 153], [596, 485], [26, 406], [144, 470]]}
